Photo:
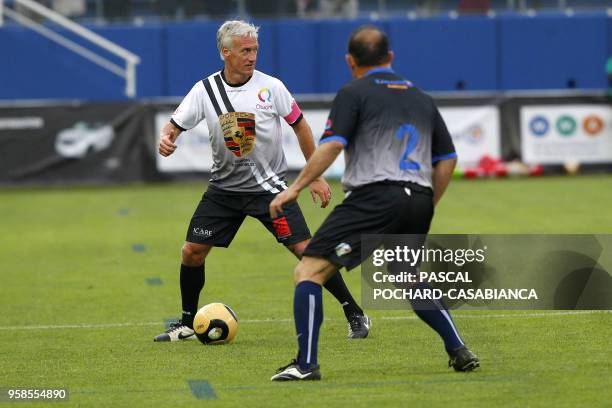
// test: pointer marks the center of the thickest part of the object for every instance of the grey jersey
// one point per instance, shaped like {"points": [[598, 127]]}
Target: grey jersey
{"points": [[245, 129], [391, 131]]}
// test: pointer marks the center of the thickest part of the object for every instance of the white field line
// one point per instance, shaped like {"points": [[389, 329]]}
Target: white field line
{"points": [[455, 315]]}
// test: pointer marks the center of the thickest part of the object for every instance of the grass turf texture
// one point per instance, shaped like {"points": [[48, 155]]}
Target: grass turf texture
{"points": [[97, 256]]}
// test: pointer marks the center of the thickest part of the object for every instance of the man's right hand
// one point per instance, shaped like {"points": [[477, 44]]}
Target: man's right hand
{"points": [[287, 196], [169, 133]]}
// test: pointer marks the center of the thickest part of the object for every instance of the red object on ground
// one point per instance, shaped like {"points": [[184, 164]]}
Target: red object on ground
{"points": [[536, 170], [490, 167], [487, 167]]}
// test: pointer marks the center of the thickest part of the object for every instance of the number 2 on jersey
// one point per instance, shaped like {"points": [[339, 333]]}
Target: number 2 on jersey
{"points": [[413, 140]]}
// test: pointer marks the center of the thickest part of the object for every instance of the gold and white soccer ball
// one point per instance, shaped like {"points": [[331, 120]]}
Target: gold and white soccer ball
{"points": [[215, 323]]}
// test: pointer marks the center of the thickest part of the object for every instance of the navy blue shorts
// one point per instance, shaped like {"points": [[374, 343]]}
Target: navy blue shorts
{"points": [[378, 208]]}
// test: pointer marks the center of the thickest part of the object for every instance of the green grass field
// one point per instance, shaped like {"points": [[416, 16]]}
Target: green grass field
{"points": [[79, 310]]}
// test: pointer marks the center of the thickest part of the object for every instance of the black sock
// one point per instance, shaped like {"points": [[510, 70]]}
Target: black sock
{"points": [[192, 282], [336, 286]]}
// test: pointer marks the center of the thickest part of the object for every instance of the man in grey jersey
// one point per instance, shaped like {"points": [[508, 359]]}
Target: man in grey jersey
{"points": [[399, 160], [243, 108]]}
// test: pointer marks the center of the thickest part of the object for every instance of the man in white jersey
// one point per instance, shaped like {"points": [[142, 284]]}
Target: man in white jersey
{"points": [[243, 108]]}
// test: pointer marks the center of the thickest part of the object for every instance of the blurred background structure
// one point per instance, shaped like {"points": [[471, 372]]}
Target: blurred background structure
{"points": [[137, 11], [441, 45], [521, 80]]}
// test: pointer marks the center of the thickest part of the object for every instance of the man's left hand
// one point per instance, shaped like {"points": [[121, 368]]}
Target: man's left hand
{"points": [[320, 188]]}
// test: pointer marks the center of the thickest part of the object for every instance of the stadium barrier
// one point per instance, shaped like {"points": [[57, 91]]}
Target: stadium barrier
{"points": [[75, 144], [95, 143], [470, 53]]}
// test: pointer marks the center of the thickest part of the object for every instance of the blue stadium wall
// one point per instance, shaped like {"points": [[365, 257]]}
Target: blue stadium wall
{"points": [[508, 52]]}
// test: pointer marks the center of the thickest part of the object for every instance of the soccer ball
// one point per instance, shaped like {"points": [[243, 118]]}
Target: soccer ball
{"points": [[215, 323]]}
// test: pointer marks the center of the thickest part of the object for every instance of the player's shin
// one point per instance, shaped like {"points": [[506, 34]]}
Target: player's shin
{"points": [[192, 281], [308, 314], [436, 315]]}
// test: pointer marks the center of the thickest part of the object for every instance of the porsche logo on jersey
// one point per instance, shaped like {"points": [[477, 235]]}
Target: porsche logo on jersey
{"points": [[239, 132]]}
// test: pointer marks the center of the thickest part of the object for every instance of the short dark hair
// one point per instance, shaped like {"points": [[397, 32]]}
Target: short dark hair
{"points": [[369, 46]]}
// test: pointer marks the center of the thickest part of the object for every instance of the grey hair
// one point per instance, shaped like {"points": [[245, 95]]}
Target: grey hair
{"points": [[234, 28]]}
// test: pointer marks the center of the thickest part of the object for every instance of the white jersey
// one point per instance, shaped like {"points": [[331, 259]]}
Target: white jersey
{"points": [[245, 129]]}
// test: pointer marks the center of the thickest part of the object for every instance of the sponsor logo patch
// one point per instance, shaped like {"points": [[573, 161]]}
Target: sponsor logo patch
{"points": [[343, 248], [238, 132], [264, 95], [201, 232]]}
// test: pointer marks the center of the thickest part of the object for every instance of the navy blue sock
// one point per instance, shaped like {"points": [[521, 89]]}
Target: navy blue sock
{"points": [[308, 314], [436, 315]]}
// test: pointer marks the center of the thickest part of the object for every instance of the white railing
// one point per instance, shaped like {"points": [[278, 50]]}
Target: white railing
{"points": [[131, 60]]}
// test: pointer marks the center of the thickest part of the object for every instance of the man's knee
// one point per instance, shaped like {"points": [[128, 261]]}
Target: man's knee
{"points": [[313, 269], [302, 272], [194, 254]]}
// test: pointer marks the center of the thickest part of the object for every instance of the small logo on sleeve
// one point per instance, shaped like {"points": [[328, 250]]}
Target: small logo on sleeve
{"points": [[328, 128]]}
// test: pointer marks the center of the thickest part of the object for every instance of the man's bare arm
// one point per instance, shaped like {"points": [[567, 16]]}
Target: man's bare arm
{"points": [[442, 173], [318, 187]]}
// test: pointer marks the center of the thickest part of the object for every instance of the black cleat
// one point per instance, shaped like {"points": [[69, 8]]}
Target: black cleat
{"points": [[293, 372], [464, 360], [359, 326]]}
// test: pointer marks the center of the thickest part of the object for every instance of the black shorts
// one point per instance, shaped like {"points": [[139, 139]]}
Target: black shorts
{"points": [[220, 214], [378, 208]]}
